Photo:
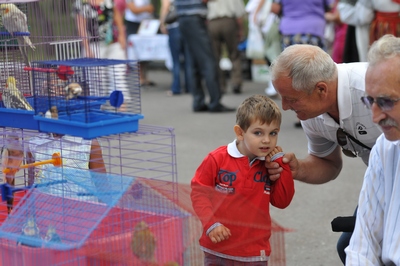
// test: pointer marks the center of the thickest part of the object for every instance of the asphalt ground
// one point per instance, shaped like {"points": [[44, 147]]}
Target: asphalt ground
{"points": [[311, 241]]}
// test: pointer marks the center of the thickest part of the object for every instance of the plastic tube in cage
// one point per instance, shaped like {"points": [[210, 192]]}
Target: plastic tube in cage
{"points": [[63, 72], [55, 160]]}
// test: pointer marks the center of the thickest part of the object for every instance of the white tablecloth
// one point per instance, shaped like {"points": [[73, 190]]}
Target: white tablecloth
{"points": [[149, 48]]}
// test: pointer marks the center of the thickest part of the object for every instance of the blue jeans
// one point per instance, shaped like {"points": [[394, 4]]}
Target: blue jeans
{"points": [[212, 260], [179, 48], [194, 30]]}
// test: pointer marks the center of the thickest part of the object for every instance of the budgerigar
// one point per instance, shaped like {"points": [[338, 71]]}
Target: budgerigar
{"points": [[143, 242], [13, 97], [14, 20], [52, 236], [73, 90], [12, 155], [52, 113], [31, 230]]}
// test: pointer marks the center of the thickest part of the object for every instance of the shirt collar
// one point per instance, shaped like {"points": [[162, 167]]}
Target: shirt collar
{"points": [[235, 153], [343, 93], [396, 142], [344, 100]]}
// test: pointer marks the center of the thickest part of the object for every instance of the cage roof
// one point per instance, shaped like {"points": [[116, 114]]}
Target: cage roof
{"points": [[85, 62], [72, 201]]}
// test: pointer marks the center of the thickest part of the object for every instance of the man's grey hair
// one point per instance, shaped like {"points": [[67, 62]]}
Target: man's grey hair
{"points": [[386, 47], [306, 65]]}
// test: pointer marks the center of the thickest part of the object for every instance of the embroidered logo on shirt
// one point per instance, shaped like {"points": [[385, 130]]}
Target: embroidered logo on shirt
{"points": [[226, 177], [260, 177], [267, 187], [225, 190], [361, 129]]}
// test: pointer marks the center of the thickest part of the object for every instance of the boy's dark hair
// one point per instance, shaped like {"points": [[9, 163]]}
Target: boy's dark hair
{"points": [[257, 107]]}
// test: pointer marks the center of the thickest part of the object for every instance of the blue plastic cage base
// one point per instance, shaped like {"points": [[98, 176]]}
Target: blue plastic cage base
{"points": [[90, 125], [42, 104], [18, 119]]}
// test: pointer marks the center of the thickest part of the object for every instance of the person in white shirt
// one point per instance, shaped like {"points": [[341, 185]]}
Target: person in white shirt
{"points": [[136, 11], [326, 98], [376, 236], [372, 19]]}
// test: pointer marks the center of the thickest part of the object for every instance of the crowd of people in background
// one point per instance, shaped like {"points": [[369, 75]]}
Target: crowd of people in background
{"points": [[343, 28]]}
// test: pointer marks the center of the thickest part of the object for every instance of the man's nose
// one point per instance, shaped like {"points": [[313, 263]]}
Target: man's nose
{"points": [[377, 113], [285, 105]]}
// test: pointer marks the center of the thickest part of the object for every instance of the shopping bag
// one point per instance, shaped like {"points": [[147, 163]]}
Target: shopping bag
{"points": [[255, 43], [171, 16], [329, 33]]}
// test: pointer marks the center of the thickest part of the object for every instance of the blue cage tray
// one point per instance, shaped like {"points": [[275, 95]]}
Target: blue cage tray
{"points": [[18, 118], [25, 119], [42, 104], [90, 125]]}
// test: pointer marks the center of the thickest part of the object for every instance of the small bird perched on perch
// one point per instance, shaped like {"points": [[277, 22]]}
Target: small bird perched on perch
{"points": [[73, 90], [12, 155], [29, 229], [52, 236], [52, 113], [143, 242], [13, 97], [14, 20]]}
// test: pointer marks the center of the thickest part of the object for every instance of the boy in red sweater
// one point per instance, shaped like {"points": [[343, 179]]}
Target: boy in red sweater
{"points": [[231, 190]]}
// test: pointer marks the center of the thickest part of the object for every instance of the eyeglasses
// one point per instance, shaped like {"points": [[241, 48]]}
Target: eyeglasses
{"points": [[341, 137], [384, 103]]}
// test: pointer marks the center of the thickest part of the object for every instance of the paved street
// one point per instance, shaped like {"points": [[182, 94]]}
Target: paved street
{"points": [[311, 243]]}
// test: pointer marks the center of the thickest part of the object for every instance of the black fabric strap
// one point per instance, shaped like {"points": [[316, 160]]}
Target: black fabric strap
{"points": [[356, 140]]}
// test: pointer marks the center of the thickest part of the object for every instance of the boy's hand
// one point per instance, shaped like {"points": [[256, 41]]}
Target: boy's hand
{"points": [[270, 165], [276, 150], [275, 170], [219, 233]]}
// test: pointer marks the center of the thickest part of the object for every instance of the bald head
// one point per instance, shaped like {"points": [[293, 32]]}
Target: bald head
{"points": [[306, 65]]}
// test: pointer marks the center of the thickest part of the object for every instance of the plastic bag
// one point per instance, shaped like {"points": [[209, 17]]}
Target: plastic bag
{"points": [[255, 43], [329, 33], [171, 16], [264, 13]]}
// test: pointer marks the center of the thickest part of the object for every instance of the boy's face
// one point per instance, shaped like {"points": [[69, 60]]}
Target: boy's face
{"points": [[259, 139]]}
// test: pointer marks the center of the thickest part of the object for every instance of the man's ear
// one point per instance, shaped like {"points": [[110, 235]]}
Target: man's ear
{"points": [[322, 88], [239, 132]]}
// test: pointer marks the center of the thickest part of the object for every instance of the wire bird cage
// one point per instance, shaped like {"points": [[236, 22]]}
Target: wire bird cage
{"points": [[93, 97], [148, 153], [19, 118], [94, 214], [106, 220], [51, 27], [49, 33]]}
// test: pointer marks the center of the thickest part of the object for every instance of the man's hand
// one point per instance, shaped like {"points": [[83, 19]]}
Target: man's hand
{"points": [[275, 170], [219, 233]]}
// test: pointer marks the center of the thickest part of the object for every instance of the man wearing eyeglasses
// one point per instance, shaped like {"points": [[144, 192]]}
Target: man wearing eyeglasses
{"points": [[376, 236], [326, 98]]}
